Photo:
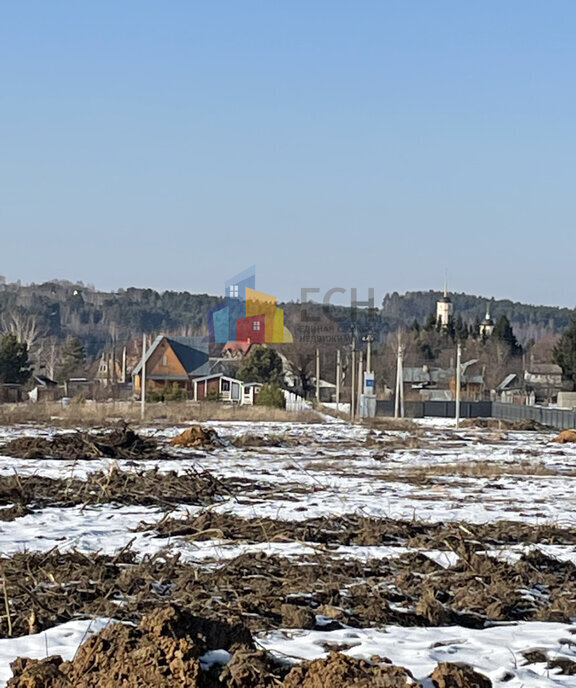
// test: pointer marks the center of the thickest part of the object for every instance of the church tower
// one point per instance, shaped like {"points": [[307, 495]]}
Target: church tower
{"points": [[444, 309], [487, 325]]}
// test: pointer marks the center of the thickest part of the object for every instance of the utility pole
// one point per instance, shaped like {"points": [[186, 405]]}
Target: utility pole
{"points": [[399, 394], [353, 375], [124, 365], [458, 377], [317, 375], [338, 378], [369, 338], [360, 382], [143, 380]]}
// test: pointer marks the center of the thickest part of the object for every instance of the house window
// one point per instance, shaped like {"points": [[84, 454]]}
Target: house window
{"points": [[256, 325], [225, 385], [234, 291], [164, 360]]}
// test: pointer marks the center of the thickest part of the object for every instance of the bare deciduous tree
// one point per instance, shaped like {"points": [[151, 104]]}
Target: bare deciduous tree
{"points": [[23, 326]]}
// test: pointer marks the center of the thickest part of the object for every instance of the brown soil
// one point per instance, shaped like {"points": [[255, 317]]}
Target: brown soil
{"points": [[341, 670], [165, 650], [565, 436], [197, 436], [119, 443], [447, 675], [270, 592], [249, 440]]}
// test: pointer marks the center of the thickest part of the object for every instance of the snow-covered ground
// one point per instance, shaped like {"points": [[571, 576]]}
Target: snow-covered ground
{"points": [[334, 469]]}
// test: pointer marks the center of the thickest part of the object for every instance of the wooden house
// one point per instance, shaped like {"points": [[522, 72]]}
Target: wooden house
{"points": [[173, 361]]}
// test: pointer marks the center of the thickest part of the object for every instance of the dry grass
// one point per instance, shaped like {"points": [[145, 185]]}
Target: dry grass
{"points": [[95, 414], [475, 469], [386, 423]]}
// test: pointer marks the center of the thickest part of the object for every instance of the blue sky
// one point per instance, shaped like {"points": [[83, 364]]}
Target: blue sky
{"points": [[358, 144]]}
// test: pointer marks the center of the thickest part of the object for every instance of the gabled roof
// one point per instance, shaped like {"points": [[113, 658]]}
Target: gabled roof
{"points": [[217, 376], [192, 353], [45, 381], [506, 382], [544, 369], [233, 347]]}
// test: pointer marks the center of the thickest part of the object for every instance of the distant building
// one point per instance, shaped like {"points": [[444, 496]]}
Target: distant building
{"points": [[487, 325], [545, 380], [444, 309]]}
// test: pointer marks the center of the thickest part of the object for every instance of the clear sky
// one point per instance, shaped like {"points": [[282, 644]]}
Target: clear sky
{"points": [[368, 143]]}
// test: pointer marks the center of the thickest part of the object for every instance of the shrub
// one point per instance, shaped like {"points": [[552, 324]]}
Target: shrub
{"points": [[170, 393], [271, 395]]}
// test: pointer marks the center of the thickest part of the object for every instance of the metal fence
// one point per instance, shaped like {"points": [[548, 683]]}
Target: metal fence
{"points": [[554, 418], [437, 409]]}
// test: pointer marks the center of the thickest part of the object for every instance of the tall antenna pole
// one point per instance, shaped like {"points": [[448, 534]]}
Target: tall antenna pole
{"points": [[399, 395], [353, 377], [458, 376], [143, 378], [338, 377], [317, 375]]}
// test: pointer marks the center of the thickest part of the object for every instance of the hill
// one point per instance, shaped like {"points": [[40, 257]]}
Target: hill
{"points": [[59, 309]]}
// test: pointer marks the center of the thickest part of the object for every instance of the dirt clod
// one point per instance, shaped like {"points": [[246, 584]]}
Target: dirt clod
{"points": [[448, 675], [565, 436], [341, 671], [294, 616], [163, 651], [197, 436]]}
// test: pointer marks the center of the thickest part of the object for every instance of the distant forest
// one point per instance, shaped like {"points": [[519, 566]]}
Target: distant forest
{"points": [[528, 322], [63, 309]]}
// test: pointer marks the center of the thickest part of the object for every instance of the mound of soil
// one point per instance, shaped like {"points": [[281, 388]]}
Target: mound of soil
{"points": [[197, 436], [119, 443], [338, 670], [164, 651], [448, 675], [565, 436], [168, 649]]}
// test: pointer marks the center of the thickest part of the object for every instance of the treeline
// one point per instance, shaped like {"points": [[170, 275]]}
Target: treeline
{"points": [[60, 310], [529, 322]]}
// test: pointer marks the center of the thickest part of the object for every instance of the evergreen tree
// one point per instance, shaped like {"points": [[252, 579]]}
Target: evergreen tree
{"points": [[73, 359], [14, 363], [565, 351], [460, 329], [430, 324], [503, 332], [261, 365], [475, 328], [271, 395]]}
